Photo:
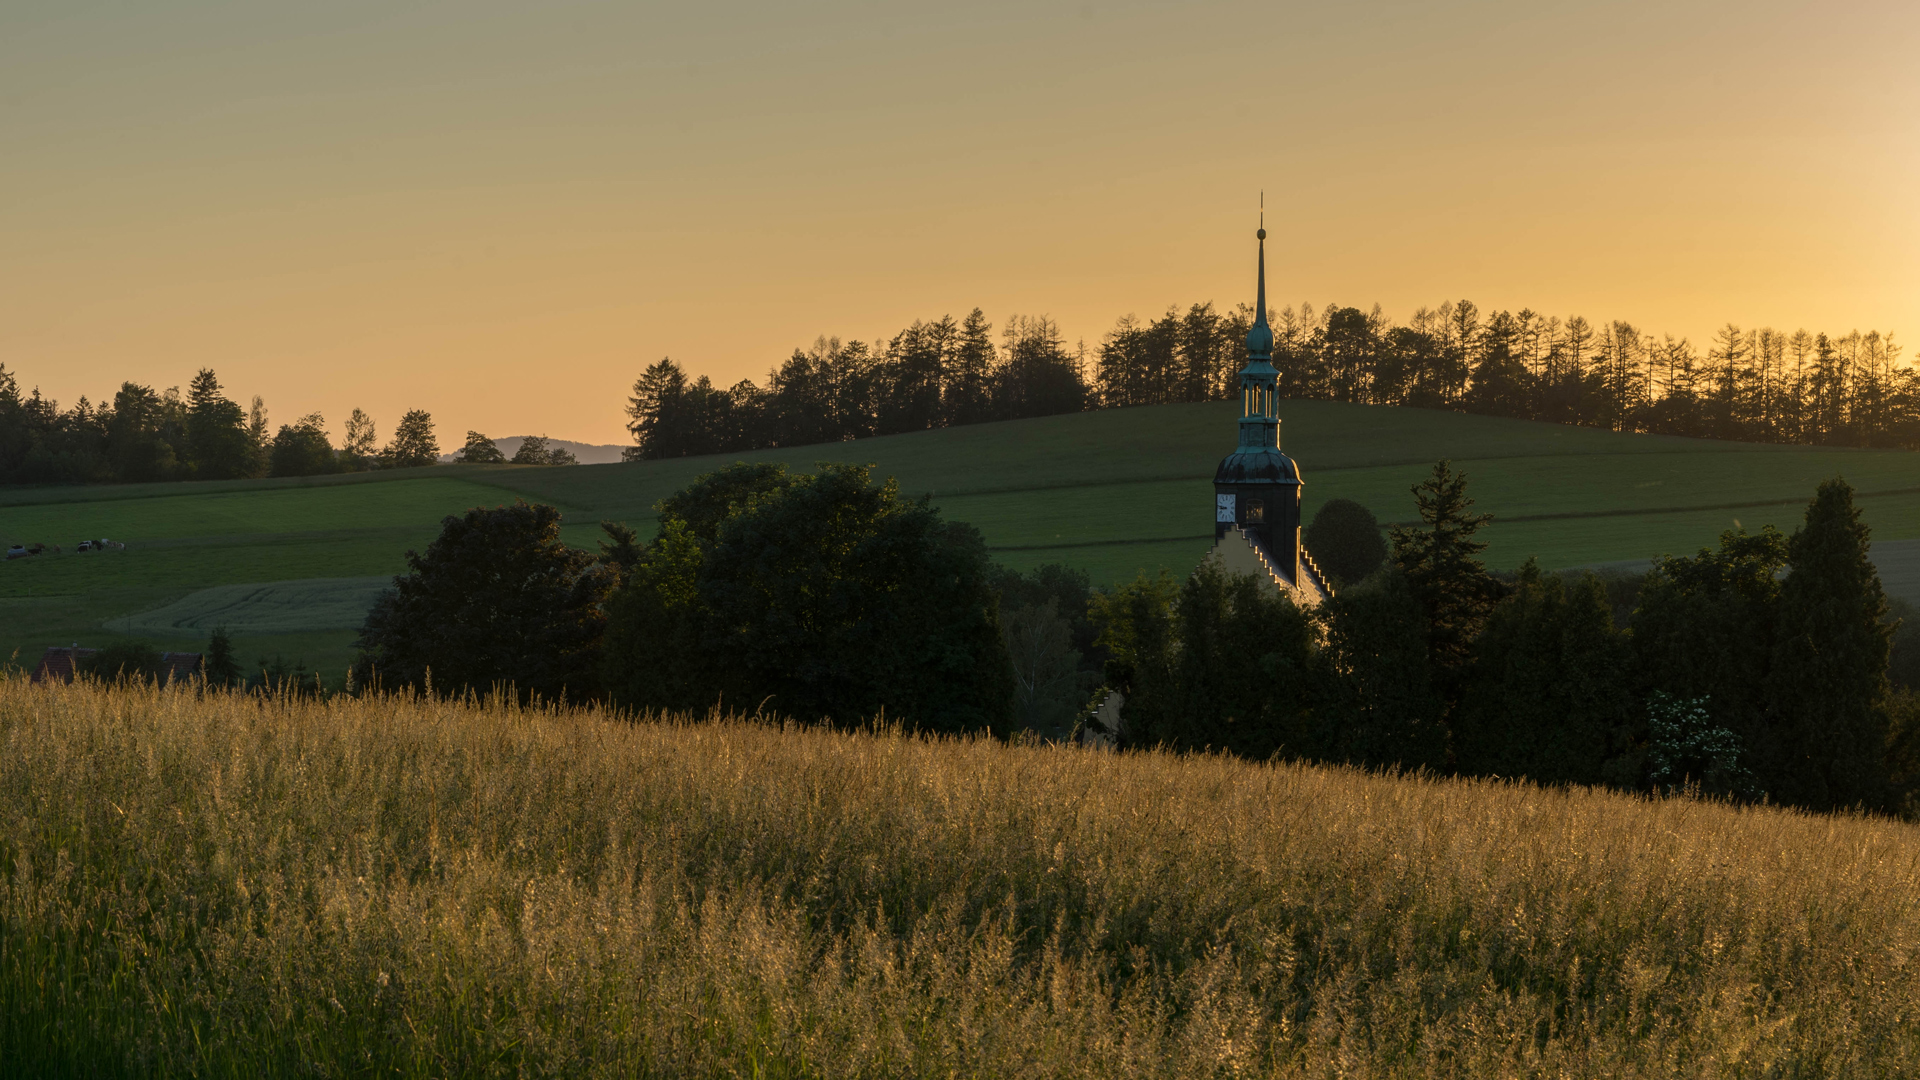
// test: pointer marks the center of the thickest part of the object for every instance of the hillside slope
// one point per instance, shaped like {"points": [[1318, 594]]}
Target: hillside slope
{"points": [[1113, 492], [224, 886]]}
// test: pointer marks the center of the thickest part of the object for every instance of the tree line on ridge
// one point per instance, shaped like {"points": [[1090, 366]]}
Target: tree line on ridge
{"points": [[144, 436], [1757, 385]]}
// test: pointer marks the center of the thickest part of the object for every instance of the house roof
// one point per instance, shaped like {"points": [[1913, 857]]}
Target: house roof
{"points": [[60, 662]]}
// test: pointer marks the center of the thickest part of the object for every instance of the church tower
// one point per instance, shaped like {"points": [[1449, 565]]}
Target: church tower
{"points": [[1256, 489]]}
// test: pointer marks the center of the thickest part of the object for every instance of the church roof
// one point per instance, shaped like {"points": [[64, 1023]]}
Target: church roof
{"points": [[1257, 465]]}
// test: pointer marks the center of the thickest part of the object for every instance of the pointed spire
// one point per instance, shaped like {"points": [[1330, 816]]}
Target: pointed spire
{"points": [[1260, 307], [1260, 336]]}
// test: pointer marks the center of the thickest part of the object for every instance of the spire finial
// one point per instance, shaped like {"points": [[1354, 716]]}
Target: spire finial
{"points": [[1260, 335], [1260, 306]]}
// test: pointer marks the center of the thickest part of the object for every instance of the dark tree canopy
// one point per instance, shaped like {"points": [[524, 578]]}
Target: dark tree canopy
{"points": [[221, 665], [534, 450], [1219, 661], [218, 447], [825, 597], [132, 660], [1345, 541], [496, 599], [702, 506], [413, 443], [1550, 695], [1704, 630], [1828, 685], [1380, 705], [479, 450], [302, 449]]}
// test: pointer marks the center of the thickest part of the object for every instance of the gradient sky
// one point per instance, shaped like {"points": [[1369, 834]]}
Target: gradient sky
{"points": [[500, 212]]}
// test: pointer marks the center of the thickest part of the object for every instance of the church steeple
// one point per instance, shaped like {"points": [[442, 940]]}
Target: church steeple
{"points": [[1256, 489], [1259, 417]]}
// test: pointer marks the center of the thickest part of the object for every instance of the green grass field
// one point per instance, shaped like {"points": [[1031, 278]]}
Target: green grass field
{"points": [[1113, 492]]}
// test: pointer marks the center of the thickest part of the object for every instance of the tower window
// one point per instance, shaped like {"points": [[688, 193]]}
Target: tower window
{"points": [[1256, 511]]}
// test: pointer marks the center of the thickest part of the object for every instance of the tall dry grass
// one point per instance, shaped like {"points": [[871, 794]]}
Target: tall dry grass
{"points": [[220, 886]]}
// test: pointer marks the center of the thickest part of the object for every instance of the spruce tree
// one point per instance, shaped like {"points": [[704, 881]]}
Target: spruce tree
{"points": [[220, 666], [218, 446], [1443, 570], [1828, 686], [969, 391]]}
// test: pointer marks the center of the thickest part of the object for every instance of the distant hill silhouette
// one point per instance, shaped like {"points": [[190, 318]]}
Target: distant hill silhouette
{"points": [[587, 453]]}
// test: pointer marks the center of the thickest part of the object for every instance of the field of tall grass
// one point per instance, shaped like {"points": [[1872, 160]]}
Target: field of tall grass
{"points": [[230, 886]]}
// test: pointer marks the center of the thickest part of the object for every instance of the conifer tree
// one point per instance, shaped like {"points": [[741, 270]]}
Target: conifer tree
{"points": [[220, 666], [1828, 686], [1444, 572], [218, 447], [652, 412], [969, 391]]}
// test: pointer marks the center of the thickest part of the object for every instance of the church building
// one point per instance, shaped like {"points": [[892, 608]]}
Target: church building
{"points": [[1256, 489]]}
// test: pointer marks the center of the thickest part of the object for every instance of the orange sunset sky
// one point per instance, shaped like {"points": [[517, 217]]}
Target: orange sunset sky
{"points": [[500, 212]]}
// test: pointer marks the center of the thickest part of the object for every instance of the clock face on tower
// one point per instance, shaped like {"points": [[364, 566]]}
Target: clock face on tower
{"points": [[1223, 508]]}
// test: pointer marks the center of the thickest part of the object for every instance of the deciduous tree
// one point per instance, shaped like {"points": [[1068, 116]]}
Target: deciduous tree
{"points": [[413, 444], [827, 597], [1345, 541], [479, 450], [496, 600]]}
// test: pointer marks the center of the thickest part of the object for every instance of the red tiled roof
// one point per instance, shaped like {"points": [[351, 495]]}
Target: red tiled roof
{"points": [[58, 663]]}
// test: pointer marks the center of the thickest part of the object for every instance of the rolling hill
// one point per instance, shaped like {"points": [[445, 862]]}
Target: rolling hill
{"points": [[1113, 492]]}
